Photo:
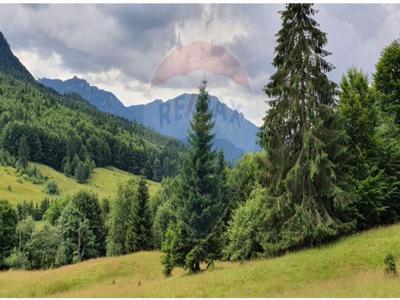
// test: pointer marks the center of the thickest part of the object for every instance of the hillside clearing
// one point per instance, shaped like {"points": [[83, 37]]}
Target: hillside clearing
{"points": [[103, 182], [351, 267]]}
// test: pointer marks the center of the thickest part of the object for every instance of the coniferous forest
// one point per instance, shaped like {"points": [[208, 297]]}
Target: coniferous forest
{"points": [[329, 166]]}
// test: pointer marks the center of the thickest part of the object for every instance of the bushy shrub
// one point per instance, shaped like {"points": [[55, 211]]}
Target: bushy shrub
{"points": [[17, 260], [54, 210], [245, 231], [390, 264], [6, 159], [163, 217], [32, 174], [52, 188]]}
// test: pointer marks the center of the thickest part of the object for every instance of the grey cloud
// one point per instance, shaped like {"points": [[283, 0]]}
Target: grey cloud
{"points": [[134, 38]]}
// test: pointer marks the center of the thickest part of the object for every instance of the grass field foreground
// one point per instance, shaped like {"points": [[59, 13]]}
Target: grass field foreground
{"points": [[351, 267]]}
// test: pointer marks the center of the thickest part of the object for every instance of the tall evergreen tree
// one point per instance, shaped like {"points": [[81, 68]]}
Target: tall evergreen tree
{"points": [[8, 225], [23, 152], [306, 200], [191, 239], [387, 79], [139, 235]]}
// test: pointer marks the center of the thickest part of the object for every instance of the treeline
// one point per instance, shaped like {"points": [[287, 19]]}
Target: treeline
{"points": [[331, 159], [68, 134], [75, 228]]}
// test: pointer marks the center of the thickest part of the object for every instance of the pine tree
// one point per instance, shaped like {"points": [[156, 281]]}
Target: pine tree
{"points": [[199, 208], [139, 235], [306, 199], [23, 152], [8, 225]]}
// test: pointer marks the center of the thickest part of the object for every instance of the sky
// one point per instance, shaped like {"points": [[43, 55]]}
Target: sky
{"points": [[143, 52]]}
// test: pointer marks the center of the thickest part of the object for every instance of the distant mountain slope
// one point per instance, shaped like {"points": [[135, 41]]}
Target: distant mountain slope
{"points": [[173, 116], [10, 64], [235, 135], [69, 134], [231, 152], [103, 100]]}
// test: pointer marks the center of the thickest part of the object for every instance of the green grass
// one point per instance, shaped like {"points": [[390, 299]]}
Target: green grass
{"points": [[351, 267], [103, 182]]}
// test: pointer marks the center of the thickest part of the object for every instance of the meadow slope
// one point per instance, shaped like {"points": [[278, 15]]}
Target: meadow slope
{"points": [[103, 182], [351, 267]]}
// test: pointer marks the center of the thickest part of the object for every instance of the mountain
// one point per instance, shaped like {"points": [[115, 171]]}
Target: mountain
{"points": [[10, 64], [173, 117], [234, 134], [103, 100], [68, 134]]}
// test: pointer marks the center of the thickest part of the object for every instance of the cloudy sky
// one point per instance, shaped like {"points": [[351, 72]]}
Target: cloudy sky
{"points": [[122, 48]]}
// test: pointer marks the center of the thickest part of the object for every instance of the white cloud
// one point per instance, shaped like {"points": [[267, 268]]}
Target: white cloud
{"points": [[214, 25], [51, 66]]}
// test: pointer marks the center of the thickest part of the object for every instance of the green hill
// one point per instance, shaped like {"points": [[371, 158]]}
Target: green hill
{"points": [[67, 133], [103, 181], [351, 267]]}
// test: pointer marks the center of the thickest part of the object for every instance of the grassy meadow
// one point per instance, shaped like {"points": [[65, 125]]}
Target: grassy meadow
{"points": [[350, 267], [103, 182]]}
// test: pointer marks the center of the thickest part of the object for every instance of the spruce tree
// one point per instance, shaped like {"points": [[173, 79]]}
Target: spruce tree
{"points": [[191, 239], [139, 235], [23, 152], [306, 200], [8, 225]]}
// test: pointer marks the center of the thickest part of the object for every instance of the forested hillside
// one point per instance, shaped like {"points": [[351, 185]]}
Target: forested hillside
{"points": [[70, 135]]}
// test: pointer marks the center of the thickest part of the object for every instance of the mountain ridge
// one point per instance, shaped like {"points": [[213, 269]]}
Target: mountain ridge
{"points": [[65, 130], [235, 134], [9, 63]]}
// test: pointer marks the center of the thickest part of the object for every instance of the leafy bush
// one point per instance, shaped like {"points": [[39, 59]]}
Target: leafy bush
{"points": [[32, 174], [52, 188], [163, 217], [6, 159], [245, 230], [55, 210], [17, 260], [390, 264]]}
